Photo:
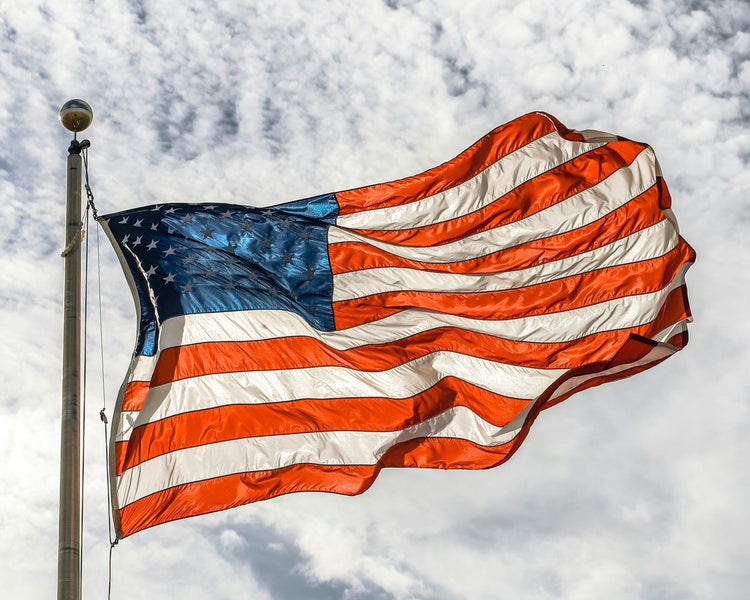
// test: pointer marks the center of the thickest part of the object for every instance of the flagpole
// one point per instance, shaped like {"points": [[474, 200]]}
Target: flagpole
{"points": [[75, 115]]}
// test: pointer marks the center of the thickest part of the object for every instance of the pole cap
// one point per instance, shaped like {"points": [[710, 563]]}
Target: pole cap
{"points": [[76, 115]]}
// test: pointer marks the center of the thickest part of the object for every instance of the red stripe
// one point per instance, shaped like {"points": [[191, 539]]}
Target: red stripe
{"points": [[543, 191], [305, 352], [633, 350], [554, 296], [665, 200], [372, 414], [239, 421], [568, 134], [679, 340], [196, 360], [121, 449], [230, 491], [135, 395], [594, 381], [638, 214], [496, 144]]}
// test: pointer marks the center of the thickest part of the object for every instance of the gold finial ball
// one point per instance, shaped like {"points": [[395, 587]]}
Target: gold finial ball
{"points": [[76, 115]]}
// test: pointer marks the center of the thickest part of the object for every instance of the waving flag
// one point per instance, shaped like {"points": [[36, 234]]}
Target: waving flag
{"points": [[418, 323]]}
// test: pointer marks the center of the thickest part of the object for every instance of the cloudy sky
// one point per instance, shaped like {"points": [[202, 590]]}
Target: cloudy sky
{"points": [[638, 489]]}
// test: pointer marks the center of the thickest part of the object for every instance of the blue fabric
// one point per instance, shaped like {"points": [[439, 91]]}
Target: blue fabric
{"points": [[196, 258]]}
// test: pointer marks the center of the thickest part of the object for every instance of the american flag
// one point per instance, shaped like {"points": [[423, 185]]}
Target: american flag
{"points": [[423, 322]]}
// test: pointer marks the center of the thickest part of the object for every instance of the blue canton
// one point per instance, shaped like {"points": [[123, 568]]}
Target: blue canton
{"points": [[198, 258]]}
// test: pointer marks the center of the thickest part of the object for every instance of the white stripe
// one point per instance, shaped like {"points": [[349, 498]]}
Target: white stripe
{"points": [[665, 334], [256, 325], [593, 135], [498, 179], [323, 448], [572, 213], [143, 368], [648, 243], [125, 425], [658, 353], [402, 381]]}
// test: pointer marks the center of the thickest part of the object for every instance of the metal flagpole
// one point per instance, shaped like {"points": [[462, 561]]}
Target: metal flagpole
{"points": [[75, 115]]}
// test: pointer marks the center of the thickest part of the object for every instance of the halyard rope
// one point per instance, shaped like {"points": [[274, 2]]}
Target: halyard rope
{"points": [[91, 207]]}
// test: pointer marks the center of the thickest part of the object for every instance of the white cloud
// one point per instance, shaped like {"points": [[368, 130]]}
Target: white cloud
{"points": [[637, 489]]}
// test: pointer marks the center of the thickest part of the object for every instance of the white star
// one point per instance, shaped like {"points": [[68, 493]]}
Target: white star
{"points": [[124, 220], [152, 245], [138, 223], [226, 215], [126, 238], [154, 226], [169, 278], [151, 271], [169, 251], [157, 207], [137, 240], [210, 207], [169, 211]]}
